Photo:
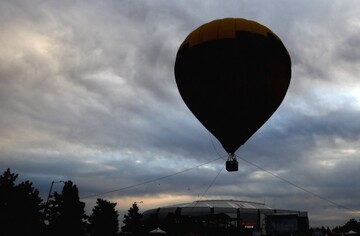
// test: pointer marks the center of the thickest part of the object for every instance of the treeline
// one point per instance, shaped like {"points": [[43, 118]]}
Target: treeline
{"points": [[352, 227], [23, 212]]}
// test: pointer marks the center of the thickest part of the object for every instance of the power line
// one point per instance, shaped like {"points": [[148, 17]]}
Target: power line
{"points": [[213, 181], [211, 184], [288, 182], [150, 181], [299, 187]]}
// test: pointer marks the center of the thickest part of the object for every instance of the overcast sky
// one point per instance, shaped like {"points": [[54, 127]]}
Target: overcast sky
{"points": [[88, 94]]}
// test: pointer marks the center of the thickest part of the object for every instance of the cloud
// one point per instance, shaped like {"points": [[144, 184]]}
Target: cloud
{"points": [[87, 93]]}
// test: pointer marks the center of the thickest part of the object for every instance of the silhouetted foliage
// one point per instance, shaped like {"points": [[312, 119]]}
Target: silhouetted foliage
{"points": [[21, 213], [132, 220], [66, 215], [20, 207], [351, 225], [104, 219]]}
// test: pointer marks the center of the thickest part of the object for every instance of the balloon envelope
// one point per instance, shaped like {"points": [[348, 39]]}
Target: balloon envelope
{"points": [[232, 74]]}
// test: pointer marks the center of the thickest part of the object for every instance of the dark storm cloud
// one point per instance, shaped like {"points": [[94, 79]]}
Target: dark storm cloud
{"points": [[103, 70]]}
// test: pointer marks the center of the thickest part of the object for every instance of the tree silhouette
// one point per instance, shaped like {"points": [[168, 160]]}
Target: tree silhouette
{"points": [[104, 219], [132, 220], [352, 224], [66, 215], [20, 207], [21, 213]]}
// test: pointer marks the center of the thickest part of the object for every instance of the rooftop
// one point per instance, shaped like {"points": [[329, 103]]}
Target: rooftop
{"points": [[221, 204]]}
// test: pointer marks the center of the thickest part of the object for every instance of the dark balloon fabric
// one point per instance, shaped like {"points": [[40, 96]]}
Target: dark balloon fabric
{"points": [[232, 74]]}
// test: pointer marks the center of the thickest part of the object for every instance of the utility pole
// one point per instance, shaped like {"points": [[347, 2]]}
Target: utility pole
{"points": [[48, 197]]}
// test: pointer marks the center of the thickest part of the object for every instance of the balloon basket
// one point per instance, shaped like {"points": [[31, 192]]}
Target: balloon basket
{"points": [[232, 164]]}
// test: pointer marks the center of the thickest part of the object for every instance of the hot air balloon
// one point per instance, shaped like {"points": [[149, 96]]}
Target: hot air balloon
{"points": [[232, 74]]}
